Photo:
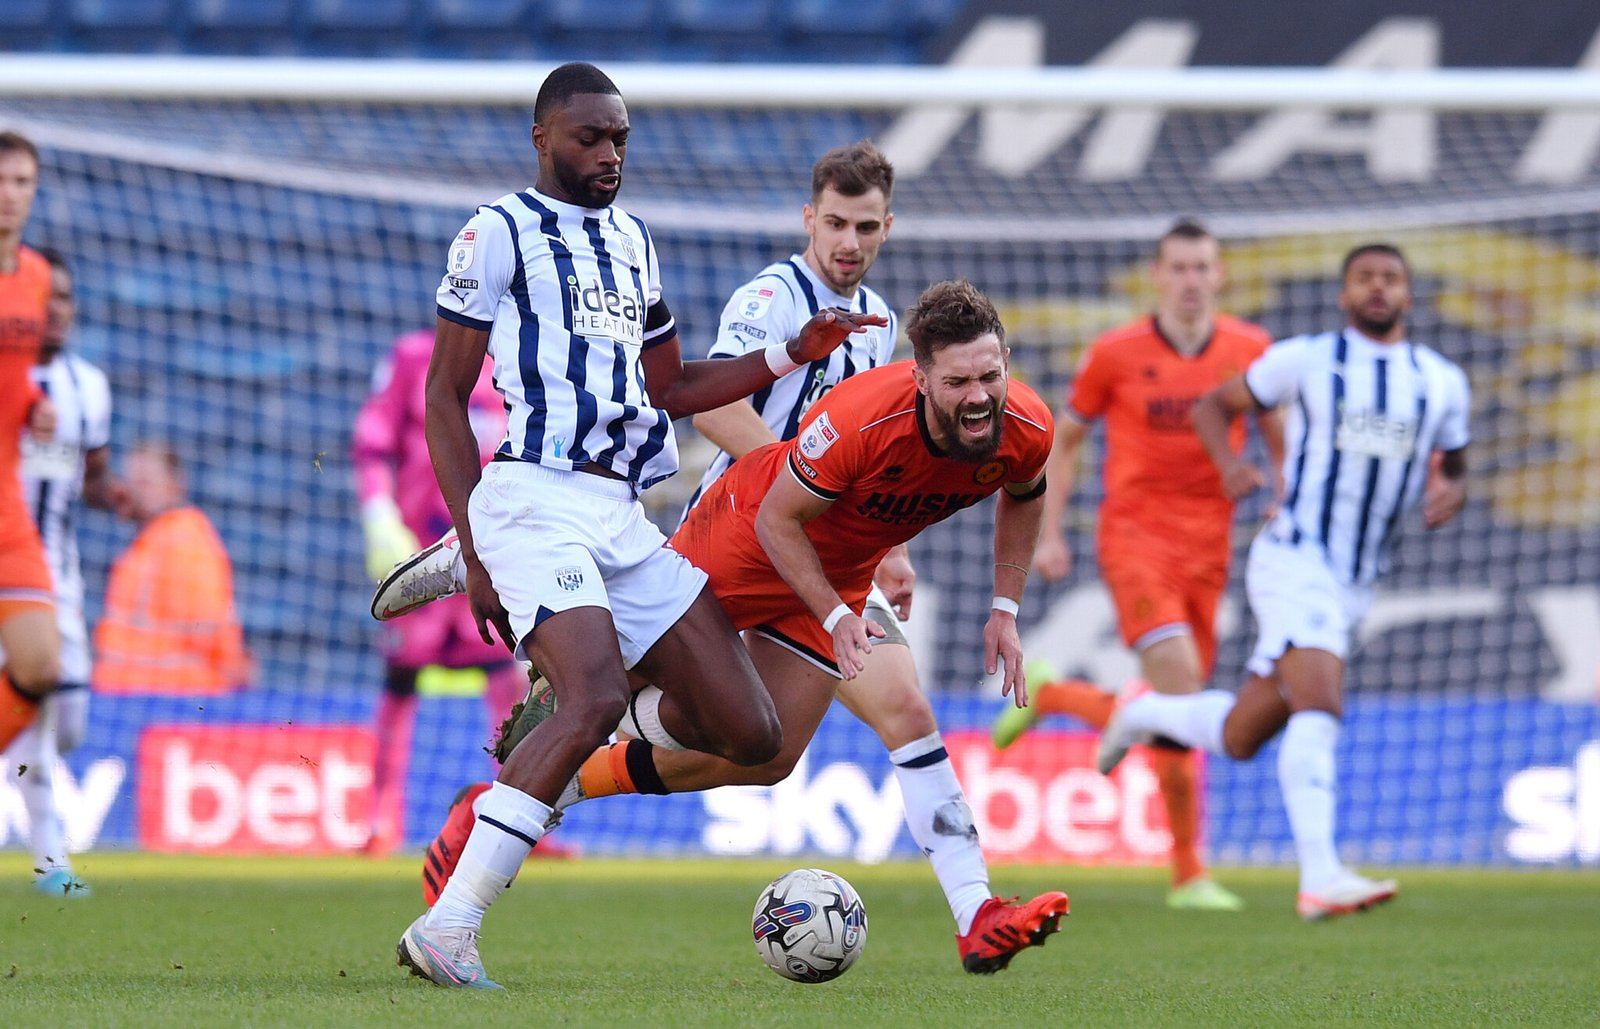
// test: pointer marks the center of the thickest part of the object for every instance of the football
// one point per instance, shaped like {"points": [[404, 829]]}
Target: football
{"points": [[809, 925]]}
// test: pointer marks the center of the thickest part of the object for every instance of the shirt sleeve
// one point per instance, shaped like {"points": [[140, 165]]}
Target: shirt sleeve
{"points": [[1274, 377], [478, 270], [760, 313], [1454, 431], [827, 456], [1091, 391]]}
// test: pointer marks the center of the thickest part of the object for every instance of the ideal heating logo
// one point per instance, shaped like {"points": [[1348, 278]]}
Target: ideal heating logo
{"points": [[606, 313]]}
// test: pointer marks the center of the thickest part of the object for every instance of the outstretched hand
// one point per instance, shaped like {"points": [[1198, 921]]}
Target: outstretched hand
{"points": [[828, 328]]}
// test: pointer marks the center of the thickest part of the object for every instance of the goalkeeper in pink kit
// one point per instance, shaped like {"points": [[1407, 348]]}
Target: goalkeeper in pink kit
{"points": [[401, 504]]}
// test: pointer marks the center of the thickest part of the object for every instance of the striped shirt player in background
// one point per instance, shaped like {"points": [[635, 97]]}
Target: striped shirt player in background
{"points": [[28, 632], [563, 290], [1165, 525], [74, 465], [846, 222], [1376, 424]]}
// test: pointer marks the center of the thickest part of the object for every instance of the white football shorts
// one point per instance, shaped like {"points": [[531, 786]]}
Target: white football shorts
{"points": [[552, 540], [1297, 602]]}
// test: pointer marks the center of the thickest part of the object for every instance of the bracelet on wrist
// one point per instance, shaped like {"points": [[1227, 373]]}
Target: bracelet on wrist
{"points": [[1006, 604]]}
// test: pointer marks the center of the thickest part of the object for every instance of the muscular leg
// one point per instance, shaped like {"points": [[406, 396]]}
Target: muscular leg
{"points": [[800, 693], [32, 643], [886, 697]]}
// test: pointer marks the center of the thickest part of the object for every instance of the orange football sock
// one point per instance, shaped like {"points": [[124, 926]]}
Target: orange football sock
{"points": [[605, 772], [17, 711], [1082, 700], [1175, 771]]}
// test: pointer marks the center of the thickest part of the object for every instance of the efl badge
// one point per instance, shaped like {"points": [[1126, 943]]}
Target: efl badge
{"points": [[570, 579], [461, 250], [989, 473], [754, 302], [819, 437]]}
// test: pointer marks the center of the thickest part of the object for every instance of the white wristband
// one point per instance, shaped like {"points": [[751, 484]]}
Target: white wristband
{"points": [[833, 618], [779, 361], [1006, 604]]}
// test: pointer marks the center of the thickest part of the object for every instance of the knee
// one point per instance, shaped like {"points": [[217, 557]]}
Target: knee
{"points": [[1240, 747], [758, 743], [37, 676], [772, 772], [593, 714]]}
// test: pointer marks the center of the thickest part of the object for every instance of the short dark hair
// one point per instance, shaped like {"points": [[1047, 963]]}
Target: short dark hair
{"points": [[12, 142], [947, 313], [575, 79], [853, 171], [1183, 228], [1373, 248]]}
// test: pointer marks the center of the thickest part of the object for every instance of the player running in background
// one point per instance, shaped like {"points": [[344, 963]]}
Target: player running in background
{"points": [[791, 535], [28, 632], [846, 222], [74, 465], [1165, 523], [1376, 424], [401, 504], [563, 290]]}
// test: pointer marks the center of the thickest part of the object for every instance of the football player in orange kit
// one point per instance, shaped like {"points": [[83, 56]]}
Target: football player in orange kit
{"points": [[1165, 523], [28, 631]]}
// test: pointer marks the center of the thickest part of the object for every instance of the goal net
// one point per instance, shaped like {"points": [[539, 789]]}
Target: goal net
{"points": [[243, 266]]}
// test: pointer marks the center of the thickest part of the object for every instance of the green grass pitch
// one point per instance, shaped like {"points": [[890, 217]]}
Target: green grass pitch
{"points": [[170, 941]]}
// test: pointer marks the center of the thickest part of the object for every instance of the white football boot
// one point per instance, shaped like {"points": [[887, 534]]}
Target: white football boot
{"points": [[434, 572], [1344, 894]]}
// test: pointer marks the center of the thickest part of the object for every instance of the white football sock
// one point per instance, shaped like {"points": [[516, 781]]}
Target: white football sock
{"points": [[941, 824], [1306, 777], [31, 764], [509, 823], [1194, 719], [643, 720]]}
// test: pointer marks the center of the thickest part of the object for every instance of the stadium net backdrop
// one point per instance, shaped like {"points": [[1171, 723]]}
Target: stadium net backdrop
{"points": [[250, 236]]}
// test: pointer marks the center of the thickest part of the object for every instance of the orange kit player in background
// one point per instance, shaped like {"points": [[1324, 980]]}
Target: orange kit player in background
{"points": [[1165, 524], [28, 631]]}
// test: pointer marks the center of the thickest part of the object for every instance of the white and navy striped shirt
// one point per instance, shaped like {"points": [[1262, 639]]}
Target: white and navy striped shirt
{"points": [[52, 473], [1361, 420], [570, 297], [771, 308]]}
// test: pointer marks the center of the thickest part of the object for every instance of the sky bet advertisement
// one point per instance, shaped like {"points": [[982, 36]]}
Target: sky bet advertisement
{"points": [[1429, 781]]}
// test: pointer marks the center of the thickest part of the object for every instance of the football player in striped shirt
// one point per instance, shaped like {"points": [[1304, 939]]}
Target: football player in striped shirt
{"points": [[1375, 425], [562, 289], [73, 466]]}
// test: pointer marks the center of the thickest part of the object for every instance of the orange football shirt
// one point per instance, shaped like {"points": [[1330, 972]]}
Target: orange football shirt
{"points": [[24, 296], [865, 446], [1156, 472]]}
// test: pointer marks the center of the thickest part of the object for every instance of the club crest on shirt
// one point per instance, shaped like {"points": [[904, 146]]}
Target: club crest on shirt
{"points": [[821, 435], [989, 472], [570, 579], [626, 245], [753, 303], [461, 250]]}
